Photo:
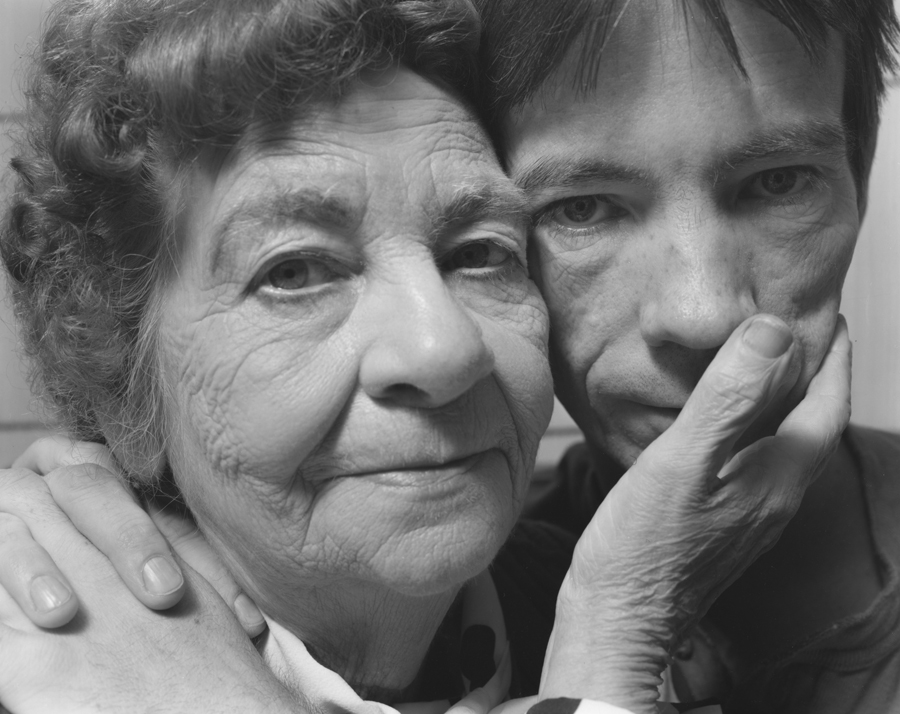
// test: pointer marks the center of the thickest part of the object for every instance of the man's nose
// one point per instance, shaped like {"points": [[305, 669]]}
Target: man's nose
{"points": [[426, 349], [697, 289]]}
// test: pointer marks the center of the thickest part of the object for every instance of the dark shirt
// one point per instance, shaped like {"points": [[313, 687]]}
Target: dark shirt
{"points": [[852, 665], [527, 574]]}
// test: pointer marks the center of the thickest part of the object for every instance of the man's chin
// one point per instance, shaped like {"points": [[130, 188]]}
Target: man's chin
{"points": [[624, 439], [623, 446]]}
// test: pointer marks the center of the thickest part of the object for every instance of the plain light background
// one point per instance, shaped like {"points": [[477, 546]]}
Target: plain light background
{"points": [[871, 294]]}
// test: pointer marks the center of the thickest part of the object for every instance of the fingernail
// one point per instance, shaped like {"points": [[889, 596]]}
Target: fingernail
{"points": [[767, 338], [160, 576], [247, 611], [49, 593]]}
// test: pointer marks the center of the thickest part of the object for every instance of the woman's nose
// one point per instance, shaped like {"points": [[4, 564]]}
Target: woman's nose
{"points": [[427, 349], [697, 293]]}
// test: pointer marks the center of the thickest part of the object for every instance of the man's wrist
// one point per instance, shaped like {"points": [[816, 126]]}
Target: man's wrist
{"points": [[607, 645]]}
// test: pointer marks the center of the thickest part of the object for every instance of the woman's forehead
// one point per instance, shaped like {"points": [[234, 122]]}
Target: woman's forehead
{"points": [[404, 148]]}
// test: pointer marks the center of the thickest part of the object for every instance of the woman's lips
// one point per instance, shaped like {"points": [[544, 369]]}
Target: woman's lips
{"points": [[642, 418], [410, 472], [417, 475]]}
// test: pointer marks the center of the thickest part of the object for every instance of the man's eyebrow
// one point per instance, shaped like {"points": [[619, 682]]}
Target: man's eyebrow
{"points": [[824, 139], [281, 208], [559, 172], [481, 201]]}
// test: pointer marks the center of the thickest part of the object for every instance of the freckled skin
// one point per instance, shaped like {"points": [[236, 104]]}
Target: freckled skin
{"points": [[640, 304], [289, 405]]}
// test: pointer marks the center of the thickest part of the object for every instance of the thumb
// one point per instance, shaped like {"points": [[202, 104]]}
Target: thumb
{"points": [[750, 369]]}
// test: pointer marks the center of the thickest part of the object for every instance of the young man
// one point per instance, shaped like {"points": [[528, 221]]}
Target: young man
{"points": [[688, 165]]}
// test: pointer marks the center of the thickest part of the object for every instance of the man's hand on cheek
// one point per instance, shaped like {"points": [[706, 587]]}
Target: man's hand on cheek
{"points": [[687, 519], [80, 478]]}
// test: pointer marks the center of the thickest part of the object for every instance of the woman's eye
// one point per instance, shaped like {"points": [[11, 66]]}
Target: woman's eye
{"points": [[475, 255], [779, 183], [299, 273], [580, 211]]}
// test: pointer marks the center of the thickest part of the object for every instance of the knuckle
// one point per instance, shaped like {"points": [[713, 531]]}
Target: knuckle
{"points": [[88, 488], [137, 535], [12, 528], [23, 492], [778, 508], [733, 393], [22, 481], [77, 478]]}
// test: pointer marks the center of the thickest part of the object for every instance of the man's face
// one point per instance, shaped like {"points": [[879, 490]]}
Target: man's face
{"points": [[676, 200]]}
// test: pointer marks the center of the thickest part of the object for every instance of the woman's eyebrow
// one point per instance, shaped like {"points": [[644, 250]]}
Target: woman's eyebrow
{"points": [[280, 208], [479, 202], [565, 172], [813, 138]]}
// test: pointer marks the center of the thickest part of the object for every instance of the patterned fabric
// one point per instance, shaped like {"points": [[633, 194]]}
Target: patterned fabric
{"points": [[564, 705], [484, 658], [323, 691]]}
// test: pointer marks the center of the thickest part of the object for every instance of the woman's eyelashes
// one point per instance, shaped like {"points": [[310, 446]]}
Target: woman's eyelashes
{"points": [[300, 272], [477, 255], [308, 271]]}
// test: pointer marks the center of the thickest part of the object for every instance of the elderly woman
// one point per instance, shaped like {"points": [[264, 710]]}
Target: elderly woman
{"points": [[265, 252]]}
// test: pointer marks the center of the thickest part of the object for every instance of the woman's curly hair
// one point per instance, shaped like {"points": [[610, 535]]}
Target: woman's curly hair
{"points": [[124, 94]]}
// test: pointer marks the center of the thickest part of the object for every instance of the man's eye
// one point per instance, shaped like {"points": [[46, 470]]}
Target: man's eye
{"points": [[580, 211], [475, 255], [299, 273], [779, 183]]}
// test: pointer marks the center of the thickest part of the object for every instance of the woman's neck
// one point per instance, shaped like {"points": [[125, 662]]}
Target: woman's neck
{"points": [[376, 640]]}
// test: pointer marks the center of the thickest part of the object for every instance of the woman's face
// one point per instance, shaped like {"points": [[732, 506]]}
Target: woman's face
{"points": [[353, 353]]}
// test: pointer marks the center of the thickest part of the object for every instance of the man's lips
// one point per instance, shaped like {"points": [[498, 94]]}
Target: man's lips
{"points": [[650, 404], [644, 415], [656, 403]]}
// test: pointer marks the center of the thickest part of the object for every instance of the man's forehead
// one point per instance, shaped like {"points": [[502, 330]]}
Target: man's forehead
{"points": [[656, 43], [657, 66]]}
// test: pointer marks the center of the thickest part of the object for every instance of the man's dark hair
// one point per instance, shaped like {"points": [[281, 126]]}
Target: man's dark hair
{"points": [[524, 41]]}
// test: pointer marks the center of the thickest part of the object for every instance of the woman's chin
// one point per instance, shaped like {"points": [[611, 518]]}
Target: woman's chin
{"points": [[417, 531], [443, 560]]}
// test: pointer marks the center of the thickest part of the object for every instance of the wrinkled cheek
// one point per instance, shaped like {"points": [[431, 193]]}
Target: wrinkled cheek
{"points": [[529, 397]]}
